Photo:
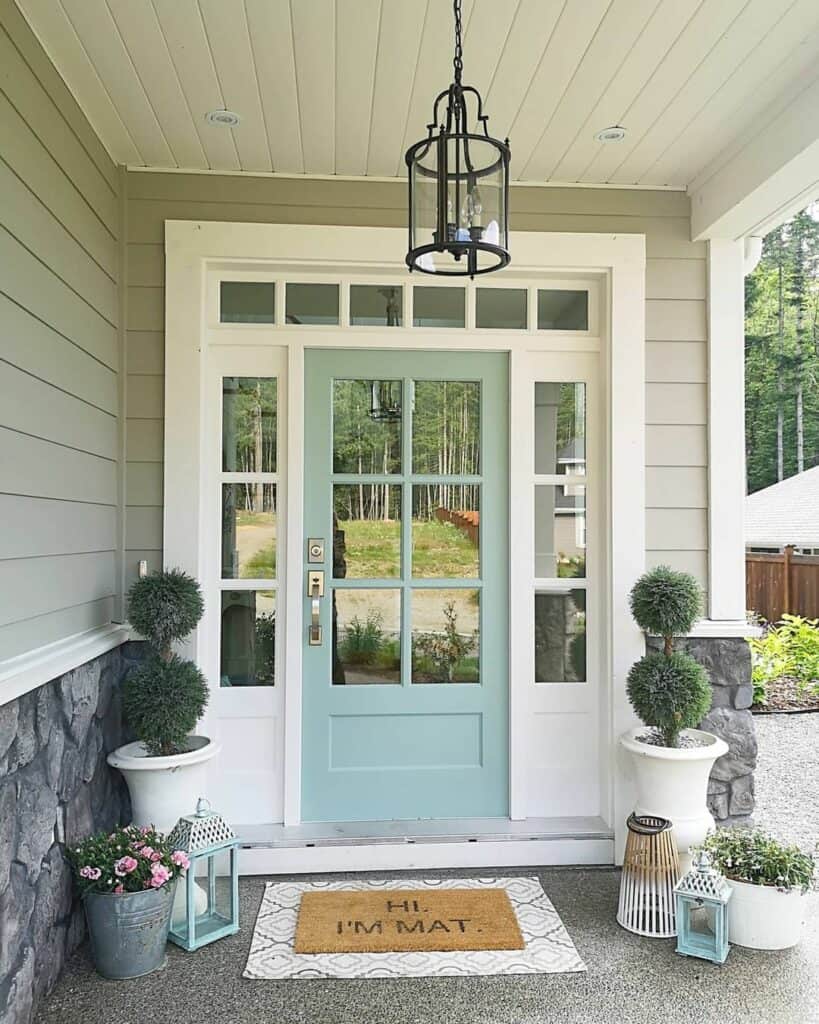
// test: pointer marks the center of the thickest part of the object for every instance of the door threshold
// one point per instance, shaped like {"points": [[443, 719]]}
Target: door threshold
{"points": [[438, 843], [424, 830]]}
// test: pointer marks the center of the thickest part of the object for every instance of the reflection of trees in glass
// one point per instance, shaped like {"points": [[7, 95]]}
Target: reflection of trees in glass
{"points": [[571, 421], [249, 425], [446, 427]]}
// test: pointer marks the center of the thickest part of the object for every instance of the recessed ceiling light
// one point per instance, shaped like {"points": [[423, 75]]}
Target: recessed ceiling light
{"points": [[613, 134], [223, 118]]}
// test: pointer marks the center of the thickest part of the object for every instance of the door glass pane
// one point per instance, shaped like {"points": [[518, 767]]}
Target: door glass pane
{"points": [[249, 424], [374, 305], [501, 308], [311, 303], [445, 530], [249, 527], [247, 302], [560, 531], [562, 310], [248, 632], [560, 637], [560, 428], [438, 307], [446, 427], [366, 531], [366, 636], [445, 636], [367, 426]]}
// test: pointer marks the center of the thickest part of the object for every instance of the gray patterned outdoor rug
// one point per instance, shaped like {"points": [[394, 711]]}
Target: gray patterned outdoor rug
{"points": [[547, 946]]}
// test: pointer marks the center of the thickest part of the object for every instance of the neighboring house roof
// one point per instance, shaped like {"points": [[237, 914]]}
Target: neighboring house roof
{"points": [[785, 513]]}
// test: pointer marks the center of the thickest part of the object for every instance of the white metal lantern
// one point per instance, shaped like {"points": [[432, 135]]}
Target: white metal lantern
{"points": [[211, 845], [702, 911]]}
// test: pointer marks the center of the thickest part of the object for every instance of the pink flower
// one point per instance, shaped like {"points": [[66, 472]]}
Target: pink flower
{"points": [[119, 888], [145, 829], [147, 883], [156, 855], [89, 872], [159, 875], [147, 851], [138, 844], [180, 858], [124, 866]]}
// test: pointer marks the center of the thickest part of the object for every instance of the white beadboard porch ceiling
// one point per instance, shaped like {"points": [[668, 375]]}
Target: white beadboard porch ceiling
{"points": [[344, 86]]}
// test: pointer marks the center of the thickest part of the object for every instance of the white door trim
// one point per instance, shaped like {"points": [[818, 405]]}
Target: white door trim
{"points": [[619, 260]]}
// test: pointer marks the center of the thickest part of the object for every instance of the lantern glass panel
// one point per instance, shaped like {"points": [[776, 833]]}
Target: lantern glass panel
{"points": [[475, 200]]}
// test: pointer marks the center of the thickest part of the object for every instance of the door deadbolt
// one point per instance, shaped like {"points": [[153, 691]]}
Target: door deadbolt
{"points": [[315, 549]]}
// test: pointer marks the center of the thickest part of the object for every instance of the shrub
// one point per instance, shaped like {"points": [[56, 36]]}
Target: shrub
{"points": [[668, 690], [753, 856], [790, 648], [162, 701], [666, 603], [165, 606], [164, 697], [445, 651], [363, 640]]}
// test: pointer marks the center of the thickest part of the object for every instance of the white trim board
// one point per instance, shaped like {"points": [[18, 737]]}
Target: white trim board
{"points": [[195, 250], [27, 671], [408, 856]]}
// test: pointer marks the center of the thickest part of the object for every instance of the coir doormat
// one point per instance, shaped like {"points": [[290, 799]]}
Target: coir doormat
{"points": [[406, 920], [547, 947]]}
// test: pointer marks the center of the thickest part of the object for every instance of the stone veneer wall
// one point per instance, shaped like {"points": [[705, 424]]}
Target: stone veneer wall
{"points": [[55, 788], [728, 663]]}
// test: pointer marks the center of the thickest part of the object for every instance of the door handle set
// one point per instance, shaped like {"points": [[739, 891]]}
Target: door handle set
{"points": [[315, 591]]}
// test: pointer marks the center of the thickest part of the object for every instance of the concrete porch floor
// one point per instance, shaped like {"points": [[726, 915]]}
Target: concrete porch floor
{"points": [[630, 980]]}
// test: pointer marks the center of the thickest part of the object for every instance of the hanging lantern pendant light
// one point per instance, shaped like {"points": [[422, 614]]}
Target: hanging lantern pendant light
{"points": [[458, 186]]}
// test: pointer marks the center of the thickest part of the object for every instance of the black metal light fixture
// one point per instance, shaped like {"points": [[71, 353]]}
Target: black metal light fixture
{"points": [[458, 187]]}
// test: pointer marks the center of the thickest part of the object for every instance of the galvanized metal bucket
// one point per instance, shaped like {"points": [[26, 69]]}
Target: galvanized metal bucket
{"points": [[129, 932]]}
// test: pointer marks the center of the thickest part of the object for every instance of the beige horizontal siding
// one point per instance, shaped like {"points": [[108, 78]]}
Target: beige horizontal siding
{"points": [[19, 637], [59, 355], [38, 586], [30, 527], [676, 366]]}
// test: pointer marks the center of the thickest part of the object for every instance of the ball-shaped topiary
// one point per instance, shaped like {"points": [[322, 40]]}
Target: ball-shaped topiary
{"points": [[669, 692], [666, 602], [162, 700], [165, 606]]}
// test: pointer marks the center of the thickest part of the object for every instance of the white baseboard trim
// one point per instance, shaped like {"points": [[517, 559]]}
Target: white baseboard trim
{"points": [[724, 628], [34, 668], [268, 860]]}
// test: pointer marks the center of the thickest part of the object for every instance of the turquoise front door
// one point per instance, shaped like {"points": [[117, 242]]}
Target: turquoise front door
{"points": [[405, 691]]}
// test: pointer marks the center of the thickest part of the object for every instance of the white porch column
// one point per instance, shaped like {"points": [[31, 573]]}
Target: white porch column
{"points": [[726, 432]]}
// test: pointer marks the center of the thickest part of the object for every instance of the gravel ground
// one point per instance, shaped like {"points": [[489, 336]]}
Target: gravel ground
{"points": [[787, 777]]}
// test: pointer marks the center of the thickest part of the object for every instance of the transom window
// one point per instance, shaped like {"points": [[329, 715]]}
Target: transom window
{"points": [[320, 304]]}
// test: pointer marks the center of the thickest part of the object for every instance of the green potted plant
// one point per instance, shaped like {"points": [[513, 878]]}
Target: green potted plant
{"points": [[126, 880], [671, 694], [770, 882], [162, 701]]}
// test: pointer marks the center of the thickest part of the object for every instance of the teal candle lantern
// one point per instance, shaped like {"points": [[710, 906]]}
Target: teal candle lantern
{"points": [[211, 882], [701, 898]]}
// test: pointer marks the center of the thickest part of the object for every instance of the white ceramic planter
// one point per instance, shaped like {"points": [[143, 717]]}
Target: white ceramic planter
{"points": [[673, 783], [164, 788], [761, 917]]}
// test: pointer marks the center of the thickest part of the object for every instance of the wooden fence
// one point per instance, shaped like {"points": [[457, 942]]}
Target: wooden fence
{"points": [[779, 584]]}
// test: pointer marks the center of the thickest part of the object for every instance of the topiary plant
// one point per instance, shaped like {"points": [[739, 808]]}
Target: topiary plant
{"points": [[668, 689], [165, 696]]}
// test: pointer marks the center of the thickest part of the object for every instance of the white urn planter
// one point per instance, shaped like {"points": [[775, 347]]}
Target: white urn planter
{"points": [[164, 788], [762, 917], [672, 782]]}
